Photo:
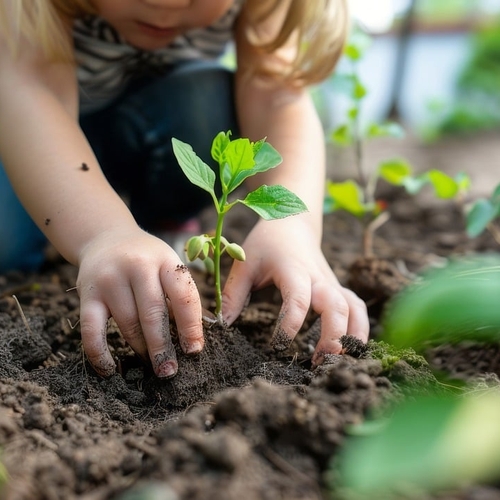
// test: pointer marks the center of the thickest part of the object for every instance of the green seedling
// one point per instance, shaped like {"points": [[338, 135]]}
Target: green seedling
{"points": [[358, 197], [455, 303], [237, 159], [482, 215]]}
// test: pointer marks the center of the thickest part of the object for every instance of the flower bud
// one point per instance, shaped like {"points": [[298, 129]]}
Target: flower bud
{"points": [[235, 251], [194, 247]]}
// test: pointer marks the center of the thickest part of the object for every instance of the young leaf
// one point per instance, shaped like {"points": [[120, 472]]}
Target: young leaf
{"points": [[352, 52], [198, 172], [347, 196], [274, 202], [445, 186], [342, 135], [389, 129], [395, 171], [265, 158], [359, 91], [479, 216], [219, 145], [414, 184]]}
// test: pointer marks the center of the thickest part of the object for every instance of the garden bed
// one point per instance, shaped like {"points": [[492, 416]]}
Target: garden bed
{"points": [[239, 421]]}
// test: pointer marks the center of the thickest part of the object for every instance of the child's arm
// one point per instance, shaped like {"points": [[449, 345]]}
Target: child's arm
{"points": [[123, 271], [287, 252]]}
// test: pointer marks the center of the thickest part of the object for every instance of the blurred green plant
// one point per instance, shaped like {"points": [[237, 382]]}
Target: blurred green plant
{"points": [[358, 197], [482, 215], [459, 301], [477, 102], [237, 159], [427, 444]]}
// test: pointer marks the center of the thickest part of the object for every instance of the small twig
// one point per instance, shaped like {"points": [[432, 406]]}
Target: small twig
{"points": [[23, 317], [71, 325], [370, 229]]}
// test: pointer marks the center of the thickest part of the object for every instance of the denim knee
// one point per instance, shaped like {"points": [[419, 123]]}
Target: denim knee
{"points": [[22, 244]]}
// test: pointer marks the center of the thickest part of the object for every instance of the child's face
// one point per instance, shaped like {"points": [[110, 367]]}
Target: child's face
{"points": [[152, 24]]}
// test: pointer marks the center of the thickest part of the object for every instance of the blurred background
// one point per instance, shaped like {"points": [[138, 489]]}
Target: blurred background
{"points": [[432, 64]]}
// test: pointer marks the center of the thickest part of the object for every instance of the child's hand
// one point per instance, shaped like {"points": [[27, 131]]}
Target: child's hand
{"points": [[136, 278], [286, 252]]}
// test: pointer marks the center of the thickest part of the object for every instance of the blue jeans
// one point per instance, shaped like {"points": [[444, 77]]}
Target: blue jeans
{"points": [[132, 141]]}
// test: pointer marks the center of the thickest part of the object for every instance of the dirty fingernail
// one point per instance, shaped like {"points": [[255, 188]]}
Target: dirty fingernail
{"points": [[194, 348], [280, 341], [167, 369]]}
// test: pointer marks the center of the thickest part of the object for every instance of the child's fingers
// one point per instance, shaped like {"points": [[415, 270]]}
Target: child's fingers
{"points": [[236, 292], [124, 311], [341, 313], [296, 294], [93, 326], [151, 312], [359, 324], [186, 306]]}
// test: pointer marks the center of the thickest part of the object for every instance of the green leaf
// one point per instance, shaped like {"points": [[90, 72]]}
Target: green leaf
{"points": [[342, 135], [359, 90], [198, 172], [463, 182], [479, 216], [265, 158], [353, 113], [347, 196], [395, 171], [352, 52], [495, 196], [219, 145], [451, 304], [414, 184], [274, 202], [389, 129], [238, 157], [444, 186], [428, 444]]}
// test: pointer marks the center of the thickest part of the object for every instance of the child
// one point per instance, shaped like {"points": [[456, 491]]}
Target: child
{"points": [[91, 93]]}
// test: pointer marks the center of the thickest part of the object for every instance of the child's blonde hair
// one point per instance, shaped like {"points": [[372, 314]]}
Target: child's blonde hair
{"points": [[318, 30]]}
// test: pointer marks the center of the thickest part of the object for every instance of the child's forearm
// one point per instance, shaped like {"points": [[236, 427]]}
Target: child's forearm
{"points": [[43, 150], [291, 125]]}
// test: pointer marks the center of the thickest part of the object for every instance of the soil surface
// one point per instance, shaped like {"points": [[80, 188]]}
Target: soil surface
{"points": [[241, 420]]}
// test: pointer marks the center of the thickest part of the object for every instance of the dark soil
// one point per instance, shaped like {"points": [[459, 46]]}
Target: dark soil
{"points": [[242, 420]]}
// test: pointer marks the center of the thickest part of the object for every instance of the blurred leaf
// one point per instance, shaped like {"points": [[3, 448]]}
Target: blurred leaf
{"points": [[353, 52], [390, 129], [429, 443], [395, 171], [444, 186], [457, 302], [347, 196], [342, 135], [414, 184], [463, 182], [353, 113], [359, 90], [479, 216]]}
